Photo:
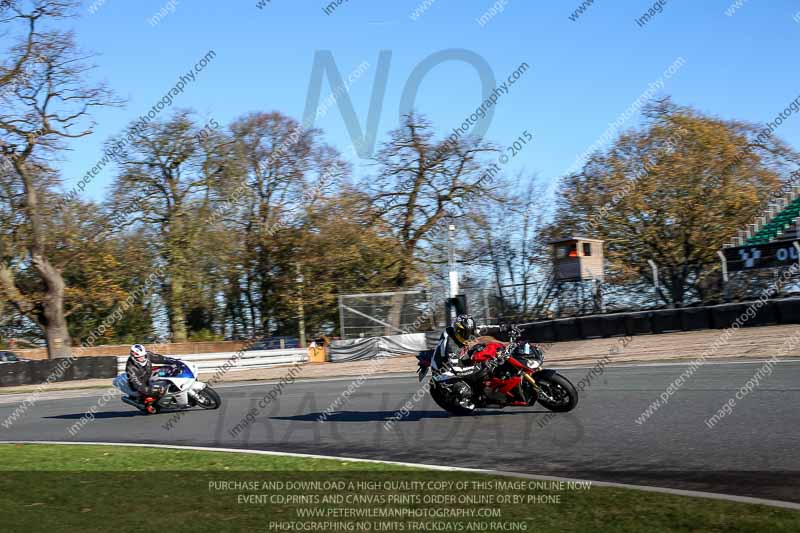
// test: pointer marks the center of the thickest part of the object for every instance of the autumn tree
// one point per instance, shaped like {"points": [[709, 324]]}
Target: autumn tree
{"points": [[343, 251], [287, 170], [45, 100], [673, 191], [104, 263], [166, 171]]}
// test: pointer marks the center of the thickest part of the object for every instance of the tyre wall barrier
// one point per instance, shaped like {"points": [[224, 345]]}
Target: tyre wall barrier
{"points": [[593, 327], [567, 329], [748, 314], [666, 321], [788, 312], [53, 370], [638, 323], [696, 318]]}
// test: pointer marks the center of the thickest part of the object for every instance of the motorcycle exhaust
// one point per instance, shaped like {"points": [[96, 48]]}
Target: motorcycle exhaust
{"points": [[132, 402]]}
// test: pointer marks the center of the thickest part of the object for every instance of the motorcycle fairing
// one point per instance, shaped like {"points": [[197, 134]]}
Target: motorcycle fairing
{"points": [[182, 383], [489, 351], [506, 386]]}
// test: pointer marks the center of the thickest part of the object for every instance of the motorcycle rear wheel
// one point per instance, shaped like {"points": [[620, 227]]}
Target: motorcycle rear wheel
{"points": [[209, 399], [561, 390], [451, 408]]}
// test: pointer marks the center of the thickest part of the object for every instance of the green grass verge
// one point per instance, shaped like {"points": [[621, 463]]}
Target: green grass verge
{"points": [[119, 489]]}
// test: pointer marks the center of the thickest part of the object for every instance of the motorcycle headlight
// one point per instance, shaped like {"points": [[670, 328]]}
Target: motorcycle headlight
{"points": [[533, 364]]}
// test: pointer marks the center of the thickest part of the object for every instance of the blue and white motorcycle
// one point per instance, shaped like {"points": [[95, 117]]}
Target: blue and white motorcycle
{"points": [[184, 389]]}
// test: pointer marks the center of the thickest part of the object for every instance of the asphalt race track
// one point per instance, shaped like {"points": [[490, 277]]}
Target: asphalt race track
{"points": [[752, 452]]}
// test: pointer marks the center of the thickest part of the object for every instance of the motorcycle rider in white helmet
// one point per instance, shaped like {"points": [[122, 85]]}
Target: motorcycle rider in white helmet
{"points": [[139, 368]]}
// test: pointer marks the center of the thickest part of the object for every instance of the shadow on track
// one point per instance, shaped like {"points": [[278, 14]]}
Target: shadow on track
{"points": [[100, 414], [384, 416]]}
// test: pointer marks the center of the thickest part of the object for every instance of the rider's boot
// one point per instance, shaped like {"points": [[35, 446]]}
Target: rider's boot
{"points": [[148, 405]]}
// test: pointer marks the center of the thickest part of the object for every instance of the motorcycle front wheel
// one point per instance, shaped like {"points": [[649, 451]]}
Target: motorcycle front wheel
{"points": [[208, 398], [558, 394]]}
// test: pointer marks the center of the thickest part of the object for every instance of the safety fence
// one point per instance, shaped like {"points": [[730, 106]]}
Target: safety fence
{"points": [[764, 313]]}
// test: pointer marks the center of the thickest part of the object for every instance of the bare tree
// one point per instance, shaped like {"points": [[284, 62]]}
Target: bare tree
{"points": [[422, 183], [513, 243], [44, 101]]}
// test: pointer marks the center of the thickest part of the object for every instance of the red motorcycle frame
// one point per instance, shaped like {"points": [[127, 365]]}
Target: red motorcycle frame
{"points": [[502, 375]]}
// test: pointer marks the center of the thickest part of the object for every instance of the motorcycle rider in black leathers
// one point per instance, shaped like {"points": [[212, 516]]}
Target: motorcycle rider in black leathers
{"points": [[454, 356], [456, 338], [139, 368]]}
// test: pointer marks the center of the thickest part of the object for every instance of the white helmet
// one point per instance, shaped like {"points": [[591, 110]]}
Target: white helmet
{"points": [[139, 354]]}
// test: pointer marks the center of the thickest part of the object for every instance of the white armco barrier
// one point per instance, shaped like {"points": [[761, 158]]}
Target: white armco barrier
{"points": [[210, 362]]}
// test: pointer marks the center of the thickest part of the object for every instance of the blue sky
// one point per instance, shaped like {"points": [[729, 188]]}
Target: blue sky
{"points": [[583, 74]]}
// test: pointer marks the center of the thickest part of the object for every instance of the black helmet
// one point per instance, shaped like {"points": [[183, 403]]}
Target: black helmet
{"points": [[464, 328]]}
